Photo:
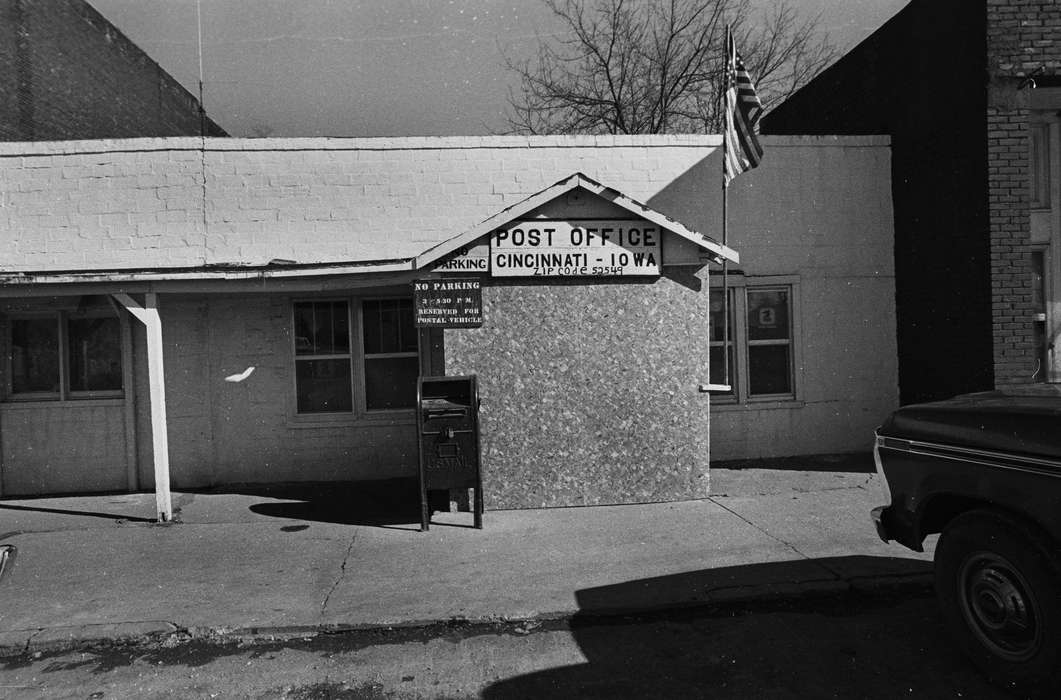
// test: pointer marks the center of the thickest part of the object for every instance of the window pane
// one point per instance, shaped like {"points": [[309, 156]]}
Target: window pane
{"points": [[1038, 282], [391, 382], [406, 326], [769, 370], [323, 386], [304, 329], [717, 370], [370, 320], [322, 328], [333, 335], [388, 326], [95, 354], [34, 355], [768, 314]]}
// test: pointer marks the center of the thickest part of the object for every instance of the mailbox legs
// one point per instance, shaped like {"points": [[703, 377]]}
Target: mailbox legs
{"points": [[425, 512]]}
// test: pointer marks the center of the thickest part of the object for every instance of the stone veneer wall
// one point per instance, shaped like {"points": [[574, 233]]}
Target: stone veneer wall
{"points": [[589, 391]]}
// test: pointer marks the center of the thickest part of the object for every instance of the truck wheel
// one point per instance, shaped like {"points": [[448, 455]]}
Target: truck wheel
{"points": [[999, 588]]}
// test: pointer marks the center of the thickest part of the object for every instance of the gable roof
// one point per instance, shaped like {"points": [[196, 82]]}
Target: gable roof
{"points": [[576, 181]]}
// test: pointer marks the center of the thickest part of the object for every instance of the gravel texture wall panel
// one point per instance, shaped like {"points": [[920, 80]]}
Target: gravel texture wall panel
{"points": [[589, 390]]}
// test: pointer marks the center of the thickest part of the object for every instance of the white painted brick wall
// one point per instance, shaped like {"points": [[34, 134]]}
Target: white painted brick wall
{"points": [[142, 202]]}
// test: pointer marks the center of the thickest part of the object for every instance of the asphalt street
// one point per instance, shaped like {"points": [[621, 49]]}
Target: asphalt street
{"points": [[855, 645]]}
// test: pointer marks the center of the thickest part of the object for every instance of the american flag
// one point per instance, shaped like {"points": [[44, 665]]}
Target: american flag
{"points": [[743, 110]]}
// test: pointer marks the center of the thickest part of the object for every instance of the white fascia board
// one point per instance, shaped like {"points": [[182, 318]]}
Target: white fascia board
{"points": [[662, 220], [252, 273], [550, 193]]}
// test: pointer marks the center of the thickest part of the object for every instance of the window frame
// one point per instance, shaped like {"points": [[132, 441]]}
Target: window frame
{"points": [[61, 318], [749, 343], [727, 396], [741, 397], [359, 412]]}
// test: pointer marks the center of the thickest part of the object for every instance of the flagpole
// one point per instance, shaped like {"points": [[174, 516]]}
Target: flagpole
{"points": [[725, 217], [739, 121]]}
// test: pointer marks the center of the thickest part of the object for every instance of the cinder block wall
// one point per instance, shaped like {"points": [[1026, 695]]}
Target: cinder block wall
{"points": [[223, 432], [1022, 36], [144, 203], [71, 74]]}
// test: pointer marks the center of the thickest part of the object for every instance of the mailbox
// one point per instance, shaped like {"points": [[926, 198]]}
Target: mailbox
{"points": [[448, 425]]}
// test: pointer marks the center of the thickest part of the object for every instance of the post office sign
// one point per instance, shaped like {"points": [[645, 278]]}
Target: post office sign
{"points": [[577, 248]]}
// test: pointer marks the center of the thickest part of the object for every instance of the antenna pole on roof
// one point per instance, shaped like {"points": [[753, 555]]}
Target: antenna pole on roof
{"points": [[199, 41]]}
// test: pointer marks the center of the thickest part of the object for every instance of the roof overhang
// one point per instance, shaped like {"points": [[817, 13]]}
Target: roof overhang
{"points": [[208, 273], [716, 251]]}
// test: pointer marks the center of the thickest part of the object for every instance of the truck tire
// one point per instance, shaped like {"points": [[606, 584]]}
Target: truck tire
{"points": [[998, 580]]}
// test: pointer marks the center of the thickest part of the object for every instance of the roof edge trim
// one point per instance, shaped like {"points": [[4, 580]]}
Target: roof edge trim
{"points": [[577, 180], [10, 279]]}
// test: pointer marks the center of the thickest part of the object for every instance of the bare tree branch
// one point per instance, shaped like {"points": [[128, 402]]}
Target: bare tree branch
{"points": [[657, 66]]}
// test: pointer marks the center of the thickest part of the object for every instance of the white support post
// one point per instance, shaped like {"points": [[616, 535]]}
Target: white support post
{"points": [[148, 315]]}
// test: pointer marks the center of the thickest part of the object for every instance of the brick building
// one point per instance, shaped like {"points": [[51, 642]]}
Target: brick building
{"points": [[156, 290], [969, 91], [70, 74]]}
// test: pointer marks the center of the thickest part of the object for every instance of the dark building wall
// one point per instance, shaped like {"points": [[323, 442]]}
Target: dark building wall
{"points": [[1023, 38], [920, 79], [70, 74]]}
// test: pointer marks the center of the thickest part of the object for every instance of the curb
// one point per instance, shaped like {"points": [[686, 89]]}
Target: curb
{"points": [[57, 640]]}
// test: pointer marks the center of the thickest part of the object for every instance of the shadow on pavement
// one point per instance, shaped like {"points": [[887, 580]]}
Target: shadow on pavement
{"points": [[84, 513], [852, 462], [884, 643], [382, 503]]}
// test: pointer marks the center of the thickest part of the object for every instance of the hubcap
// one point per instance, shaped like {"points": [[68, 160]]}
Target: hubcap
{"points": [[999, 607]]}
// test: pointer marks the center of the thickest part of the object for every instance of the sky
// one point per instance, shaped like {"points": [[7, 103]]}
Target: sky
{"points": [[371, 67]]}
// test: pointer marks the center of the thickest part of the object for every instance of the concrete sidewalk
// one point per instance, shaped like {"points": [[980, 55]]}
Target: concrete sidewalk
{"points": [[93, 569]]}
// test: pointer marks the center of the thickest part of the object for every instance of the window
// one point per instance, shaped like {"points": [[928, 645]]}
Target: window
{"points": [[326, 358], [322, 357], [1039, 167], [392, 363], [760, 347], [64, 356], [769, 342]]}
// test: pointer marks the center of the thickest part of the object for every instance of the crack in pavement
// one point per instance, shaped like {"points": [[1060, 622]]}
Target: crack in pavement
{"points": [[341, 576], [774, 537], [760, 529]]}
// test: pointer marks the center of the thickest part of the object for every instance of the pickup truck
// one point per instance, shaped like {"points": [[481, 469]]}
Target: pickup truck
{"points": [[984, 471]]}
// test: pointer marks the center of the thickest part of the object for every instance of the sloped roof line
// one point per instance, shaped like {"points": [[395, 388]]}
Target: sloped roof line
{"points": [[577, 180]]}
